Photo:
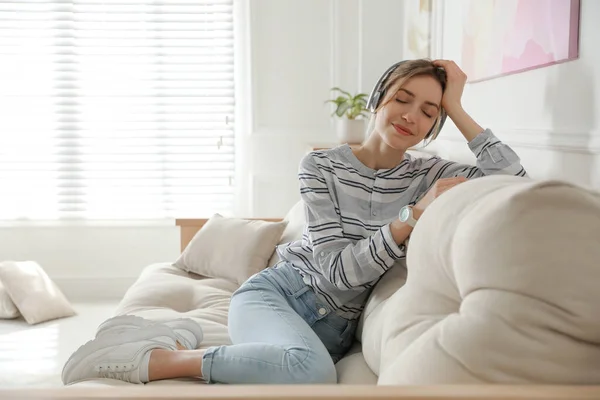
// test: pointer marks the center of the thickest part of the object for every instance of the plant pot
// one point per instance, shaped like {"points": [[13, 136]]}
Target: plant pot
{"points": [[351, 131]]}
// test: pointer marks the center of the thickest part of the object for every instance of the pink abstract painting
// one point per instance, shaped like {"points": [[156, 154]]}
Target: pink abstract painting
{"points": [[506, 36]]}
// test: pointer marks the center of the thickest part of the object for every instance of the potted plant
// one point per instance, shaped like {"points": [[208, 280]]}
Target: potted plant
{"points": [[352, 113]]}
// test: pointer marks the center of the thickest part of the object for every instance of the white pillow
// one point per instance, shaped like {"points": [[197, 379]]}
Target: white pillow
{"points": [[8, 310], [231, 248], [33, 292], [295, 219]]}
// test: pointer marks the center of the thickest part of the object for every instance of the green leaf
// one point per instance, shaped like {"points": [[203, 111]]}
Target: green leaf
{"points": [[337, 101], [342, 91], [361, 102], [348, 105], [356, 110], [342, 109]]}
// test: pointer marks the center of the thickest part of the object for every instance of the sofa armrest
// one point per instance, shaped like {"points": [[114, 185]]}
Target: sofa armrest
{"points": [[189, 227]]}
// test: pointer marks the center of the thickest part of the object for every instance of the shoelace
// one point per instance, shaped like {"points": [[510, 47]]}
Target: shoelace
{"points": [[183, 341], [122, 373]]}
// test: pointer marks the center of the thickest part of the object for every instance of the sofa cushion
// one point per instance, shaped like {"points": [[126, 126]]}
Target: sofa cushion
{"points": [[502, 287], [164, 292], [231, 248], [353, 370], [371, 321]]}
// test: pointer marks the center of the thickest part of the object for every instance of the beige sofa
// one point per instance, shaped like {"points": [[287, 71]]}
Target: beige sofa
{"points": [[502, 288]]}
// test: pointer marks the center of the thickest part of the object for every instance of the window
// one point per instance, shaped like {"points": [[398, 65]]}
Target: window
{"points": [[116, 109]]}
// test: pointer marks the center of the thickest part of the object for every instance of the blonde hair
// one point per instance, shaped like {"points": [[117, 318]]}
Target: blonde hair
{"points": [[397, 78]]}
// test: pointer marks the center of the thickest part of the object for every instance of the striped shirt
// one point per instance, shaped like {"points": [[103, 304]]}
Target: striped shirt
{"points": [[347, 244]]}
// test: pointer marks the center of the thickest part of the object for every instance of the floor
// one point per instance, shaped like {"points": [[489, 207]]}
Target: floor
{"points": [[33, 355]]}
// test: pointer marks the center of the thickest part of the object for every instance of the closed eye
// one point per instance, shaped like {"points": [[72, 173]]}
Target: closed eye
{"points": [[423, 111]]}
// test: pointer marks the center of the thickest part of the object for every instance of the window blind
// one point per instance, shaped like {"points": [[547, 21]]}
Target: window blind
{"points": [[116, 109]]}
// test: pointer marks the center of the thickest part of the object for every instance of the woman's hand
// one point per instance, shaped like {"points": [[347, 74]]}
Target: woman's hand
{"points": [[451, 100], [455, 84], [400, 230], [440, 186]]}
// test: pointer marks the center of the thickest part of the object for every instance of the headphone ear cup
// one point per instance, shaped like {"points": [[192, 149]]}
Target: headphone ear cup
{"points": [[374, 101], [378, 90]]}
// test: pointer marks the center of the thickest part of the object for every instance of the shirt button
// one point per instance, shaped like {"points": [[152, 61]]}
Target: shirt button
{"points": [[322, 311], [322, 254], [374, 213]]}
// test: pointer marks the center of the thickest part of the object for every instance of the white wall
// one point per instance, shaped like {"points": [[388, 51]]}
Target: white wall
{"points": [[550, 116], [94, 261], [297, 51]]}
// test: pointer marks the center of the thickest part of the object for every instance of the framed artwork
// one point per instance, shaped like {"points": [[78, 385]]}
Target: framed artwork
{"points": [[502, 37], [417, 37]]}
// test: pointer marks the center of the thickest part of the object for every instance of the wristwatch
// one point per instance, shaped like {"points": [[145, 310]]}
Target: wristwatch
{"points": [[406, 216]]}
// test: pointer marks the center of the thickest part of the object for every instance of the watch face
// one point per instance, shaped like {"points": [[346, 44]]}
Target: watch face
{"points": [[404, 214]]}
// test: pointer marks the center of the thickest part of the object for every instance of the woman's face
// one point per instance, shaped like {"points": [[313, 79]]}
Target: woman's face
{"points": [[407, 118]]}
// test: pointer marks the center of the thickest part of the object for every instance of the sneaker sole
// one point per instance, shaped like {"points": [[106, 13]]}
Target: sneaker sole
{"points": [[139, 322], [109, 340]]}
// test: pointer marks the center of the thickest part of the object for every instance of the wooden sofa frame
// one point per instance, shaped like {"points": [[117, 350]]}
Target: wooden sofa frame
{"points": [[188, 228]]}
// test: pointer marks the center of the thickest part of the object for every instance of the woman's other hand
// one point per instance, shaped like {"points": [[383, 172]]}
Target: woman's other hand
{"points": [[440, 186], [455, 84]]}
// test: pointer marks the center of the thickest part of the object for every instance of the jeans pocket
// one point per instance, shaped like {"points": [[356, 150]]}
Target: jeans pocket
{"points": [[336, 333], [287, 279], [347, 334], [337, 323]]}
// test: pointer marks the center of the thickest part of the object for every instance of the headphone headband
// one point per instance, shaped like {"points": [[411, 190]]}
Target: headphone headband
{"points": [[378, 93]]}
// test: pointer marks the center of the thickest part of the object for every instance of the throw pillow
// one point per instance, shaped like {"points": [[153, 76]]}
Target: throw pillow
{"points": [[36, 296], [231, 248], [293, 231], [8, 310]]}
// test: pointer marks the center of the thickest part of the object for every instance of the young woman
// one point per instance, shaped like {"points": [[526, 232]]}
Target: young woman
{"points": [[292, 322]]}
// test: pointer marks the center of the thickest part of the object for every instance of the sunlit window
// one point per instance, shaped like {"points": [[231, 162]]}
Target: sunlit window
{"points": [[116, 109]]}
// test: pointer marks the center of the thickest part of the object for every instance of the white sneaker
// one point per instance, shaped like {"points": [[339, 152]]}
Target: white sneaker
{"points": [[120, 355], [188, 332]]}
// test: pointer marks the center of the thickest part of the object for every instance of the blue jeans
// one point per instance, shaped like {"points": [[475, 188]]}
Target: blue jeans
{"points": [[281, 334]]}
